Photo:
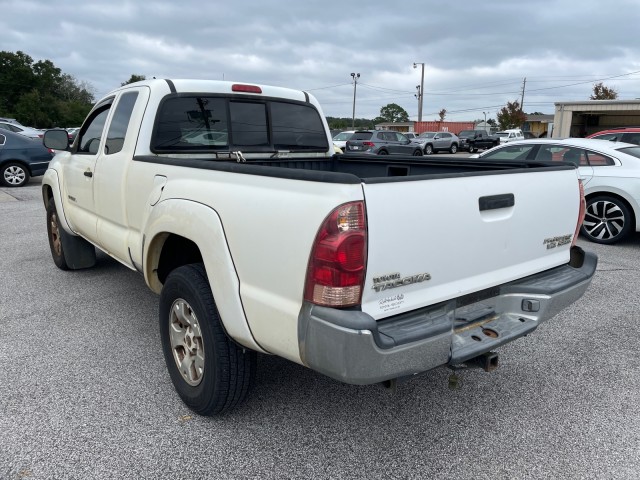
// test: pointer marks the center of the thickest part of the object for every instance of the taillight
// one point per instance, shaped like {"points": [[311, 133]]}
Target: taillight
{"points": [[368, 144], [581, 213], [336, 271]]}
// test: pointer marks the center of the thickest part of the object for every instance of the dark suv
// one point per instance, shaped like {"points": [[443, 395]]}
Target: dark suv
{"points": [[381, 142], [622, 134]]}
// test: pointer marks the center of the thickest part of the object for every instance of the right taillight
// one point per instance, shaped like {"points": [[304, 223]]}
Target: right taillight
{"points": [[336, 270], [581, 213]]}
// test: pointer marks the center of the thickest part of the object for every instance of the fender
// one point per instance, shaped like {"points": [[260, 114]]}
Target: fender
{"points": [[51, 180], [200, 224]]}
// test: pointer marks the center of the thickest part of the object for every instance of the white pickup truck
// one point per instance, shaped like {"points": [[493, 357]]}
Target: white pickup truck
{"points": [[228, 198]]}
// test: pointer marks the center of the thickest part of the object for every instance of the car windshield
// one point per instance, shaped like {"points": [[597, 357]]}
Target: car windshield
{"points": [[633, 151], [502, 134], [466, 133], [427, 135], [361, 136]]}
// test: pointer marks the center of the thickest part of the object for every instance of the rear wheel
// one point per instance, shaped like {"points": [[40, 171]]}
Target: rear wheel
{"points": [[209, 371], [428, 149], [607, 220], [383, 152], [453, 148], [14, 174]]}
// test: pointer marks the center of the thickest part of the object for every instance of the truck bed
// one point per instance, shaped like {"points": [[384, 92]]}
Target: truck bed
{"points": [[358, 169]]}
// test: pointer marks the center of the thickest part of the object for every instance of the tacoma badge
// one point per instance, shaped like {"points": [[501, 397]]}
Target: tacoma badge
{"points": [[394, 280]]}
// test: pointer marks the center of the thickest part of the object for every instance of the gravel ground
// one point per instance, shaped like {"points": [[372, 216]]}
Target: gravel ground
{"points": [[84, 393]]}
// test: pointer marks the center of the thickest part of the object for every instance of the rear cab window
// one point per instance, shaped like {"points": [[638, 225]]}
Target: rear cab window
{"points": [[209, 123]]}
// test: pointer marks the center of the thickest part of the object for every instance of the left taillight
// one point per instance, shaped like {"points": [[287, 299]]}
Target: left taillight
{"points": [[336, 270], [581, 212]]}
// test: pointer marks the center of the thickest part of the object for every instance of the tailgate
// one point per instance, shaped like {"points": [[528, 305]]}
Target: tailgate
{"points": [[436, 239]]}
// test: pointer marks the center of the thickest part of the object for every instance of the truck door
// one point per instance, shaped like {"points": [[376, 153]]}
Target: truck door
{"points": [[79, 171], [110, 179]]}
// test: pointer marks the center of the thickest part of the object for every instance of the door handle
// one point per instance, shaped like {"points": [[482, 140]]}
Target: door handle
{"points": [[88, 173]]}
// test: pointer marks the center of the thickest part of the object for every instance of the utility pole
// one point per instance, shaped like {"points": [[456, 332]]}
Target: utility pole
{"points": [[420, 90], [524, 84], [485, 122], [355, 77]]}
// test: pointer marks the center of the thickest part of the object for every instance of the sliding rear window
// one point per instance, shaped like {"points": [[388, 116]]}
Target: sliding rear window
{"points": [[197, 123]]}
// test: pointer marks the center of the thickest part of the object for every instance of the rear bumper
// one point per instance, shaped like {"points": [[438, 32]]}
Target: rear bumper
{"points": [[352, 347]]}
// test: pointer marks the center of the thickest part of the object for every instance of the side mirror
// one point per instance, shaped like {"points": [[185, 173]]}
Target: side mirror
{"points": [[57, 139]]}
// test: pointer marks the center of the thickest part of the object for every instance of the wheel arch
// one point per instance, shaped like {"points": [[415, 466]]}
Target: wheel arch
{"points": [[51, 193], [179, 232]]}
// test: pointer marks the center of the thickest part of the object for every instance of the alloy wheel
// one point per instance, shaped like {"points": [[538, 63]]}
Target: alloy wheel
{"points": [[186, 342]]}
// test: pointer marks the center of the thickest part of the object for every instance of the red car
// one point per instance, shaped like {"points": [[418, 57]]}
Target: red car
{"points": [[622, 134]]}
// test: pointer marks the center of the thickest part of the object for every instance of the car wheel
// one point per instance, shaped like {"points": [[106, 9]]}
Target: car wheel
{"points": [[210, 372], [453, 148], [607, 220], [55, 237], [428, 149], [14, 175], [417, 152], [383, 152]]}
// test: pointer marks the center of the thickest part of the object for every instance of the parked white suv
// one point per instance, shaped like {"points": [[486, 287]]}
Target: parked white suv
{"points": [[510, 135]]}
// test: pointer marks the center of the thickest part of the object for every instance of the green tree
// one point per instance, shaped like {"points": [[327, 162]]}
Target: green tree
{"points": [[16, 79], [392, 113], [39, 94], [511, 116], [602, 92], [134, 78], [441, 114]]}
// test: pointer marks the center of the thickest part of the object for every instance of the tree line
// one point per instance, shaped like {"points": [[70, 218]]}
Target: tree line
{"points": [[39, 94]]}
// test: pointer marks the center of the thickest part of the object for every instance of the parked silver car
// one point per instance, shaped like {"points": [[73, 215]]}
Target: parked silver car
{"points": [[21, 129], [382, 142], [433, 142]]}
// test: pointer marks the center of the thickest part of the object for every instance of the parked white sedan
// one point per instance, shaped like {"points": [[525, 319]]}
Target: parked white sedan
{"points": [[610, 173]]}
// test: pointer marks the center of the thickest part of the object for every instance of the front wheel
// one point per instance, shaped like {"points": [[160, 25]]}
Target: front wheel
{"points": [[55, 237], [607, 220], [210, 372], [453, 148], [417, 153], [14, 175], [428, 149]]}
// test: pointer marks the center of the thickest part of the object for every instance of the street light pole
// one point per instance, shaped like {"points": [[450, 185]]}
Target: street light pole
{"points": [[485, 122], [421, 90], [355, 77]]}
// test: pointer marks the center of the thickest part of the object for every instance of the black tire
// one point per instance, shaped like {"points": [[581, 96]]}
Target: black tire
{"points": [[383, 152], [14, 174], [607, 220], [69, 252], [453, 148], [220, 373], [55, 237], [417, 152], [428, 149]]}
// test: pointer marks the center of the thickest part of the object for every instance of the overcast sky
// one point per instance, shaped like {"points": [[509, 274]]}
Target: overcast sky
{"points": [[476, 54]]}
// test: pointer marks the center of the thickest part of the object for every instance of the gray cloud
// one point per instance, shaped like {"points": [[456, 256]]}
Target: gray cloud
{"points": [[476, 55]]}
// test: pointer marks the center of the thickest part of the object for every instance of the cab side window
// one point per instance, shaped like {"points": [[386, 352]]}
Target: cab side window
{"points": [[120, 123], [92, 132]]}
